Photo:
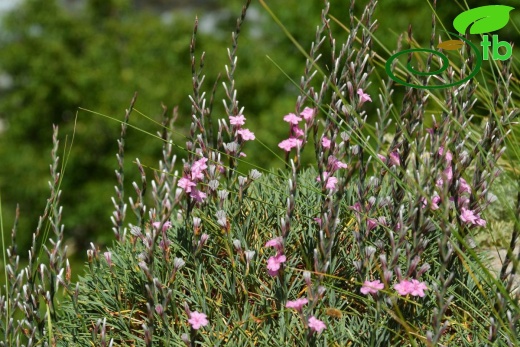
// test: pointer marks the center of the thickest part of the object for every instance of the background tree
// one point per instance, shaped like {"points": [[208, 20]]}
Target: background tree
{"points": [[56, 56]]}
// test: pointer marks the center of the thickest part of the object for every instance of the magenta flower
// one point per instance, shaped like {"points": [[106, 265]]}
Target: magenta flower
{"points": [[371, 287], [292, 118], [291, 142], [325, 142], [307, 113], [297, 304], [382, 157], [274, 264], [186, 184], [363, 97], [394, 159], [246, 134], [198, 320], [371, 224], [237, 120], [356, 207], [316, 324]]}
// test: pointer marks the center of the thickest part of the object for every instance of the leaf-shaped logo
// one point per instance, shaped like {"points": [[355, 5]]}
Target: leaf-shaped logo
{"points": [[485, 18]]}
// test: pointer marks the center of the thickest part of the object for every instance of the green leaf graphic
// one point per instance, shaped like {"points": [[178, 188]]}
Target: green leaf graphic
{"points": [[485, 18]]}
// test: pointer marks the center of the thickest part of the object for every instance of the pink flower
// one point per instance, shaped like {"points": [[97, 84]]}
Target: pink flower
{"points": [[297, 131], [356, 207], [186, 184], [371, 224], [237, 120], [413, 287], [331, 183], [435, 202], [464, 186], [339, 165], [449, 156], [403, 287], [363, 97], [274, 264], [325, 142], [371, 287], [292, 142], [197, 167], [277, 243], [417, 288], [480, 222], [316, 324], [335, 163], [108, 257], [382, 157], [246, 134], [165, 226], [292, 118], [325, 176], [307, 113], [462, 201], [448, 173], [197, 195], [198, 320], [468, 216], [394, 159], [297, 304]]}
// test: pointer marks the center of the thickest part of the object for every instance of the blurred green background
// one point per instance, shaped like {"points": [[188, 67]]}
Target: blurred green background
{"points": [[57, 56]]}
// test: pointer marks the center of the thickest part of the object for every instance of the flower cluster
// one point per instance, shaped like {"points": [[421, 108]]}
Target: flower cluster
{"points": [[237, 122], [190, 179], [412, 287], [314, 324], [405, 287], [467, 216], [295, 138], [371, 287], [274, 263], [333, 165]]}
